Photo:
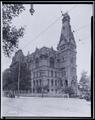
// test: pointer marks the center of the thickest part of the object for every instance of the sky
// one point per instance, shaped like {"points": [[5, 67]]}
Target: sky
{"points": [[43, 28]]}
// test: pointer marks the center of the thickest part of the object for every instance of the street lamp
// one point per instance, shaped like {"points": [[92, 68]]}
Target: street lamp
{"points": [[31, 9]]}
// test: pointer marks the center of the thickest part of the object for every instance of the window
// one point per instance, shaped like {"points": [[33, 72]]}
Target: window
{"points": [[37, 82], [34, 83], [58, 74], [33, 90], [55, 82], [43, 72], [47, 90], [40, 82], [37, 74], [34, 74], [52, 62], [37, 62], [64, 73], [43, 57], [55, 74], [48, 81], [51, 73], [66, 83], [56, 90], [48, 72], [52, 82], [40, 74]]}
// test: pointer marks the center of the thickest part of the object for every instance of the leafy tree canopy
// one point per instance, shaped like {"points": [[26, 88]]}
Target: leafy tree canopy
{"points": [[10, 33]]}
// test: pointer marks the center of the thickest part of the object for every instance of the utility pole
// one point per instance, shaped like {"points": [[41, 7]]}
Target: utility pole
{"points": [[42, 87], [18, 76]]}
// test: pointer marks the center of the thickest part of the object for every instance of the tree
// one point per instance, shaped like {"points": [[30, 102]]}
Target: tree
{"points": [[69, 90], [25, 77], [11, 35], [10, 77], [84, 81], [6, 79], [84, 84]]}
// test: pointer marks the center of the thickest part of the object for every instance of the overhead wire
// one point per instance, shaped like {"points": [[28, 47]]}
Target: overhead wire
{"points": [[41, 33], [51, 24], [82, 27]]}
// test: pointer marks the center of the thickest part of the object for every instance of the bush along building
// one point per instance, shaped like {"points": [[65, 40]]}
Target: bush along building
{"points": [[53, 72]]}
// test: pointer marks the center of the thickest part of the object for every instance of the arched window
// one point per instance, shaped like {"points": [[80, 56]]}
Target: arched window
{"points": [[37, 62], [51, 62], [66, 83]]}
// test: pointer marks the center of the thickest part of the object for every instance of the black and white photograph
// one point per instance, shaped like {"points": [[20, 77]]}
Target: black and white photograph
{"points": [[46, 59]]}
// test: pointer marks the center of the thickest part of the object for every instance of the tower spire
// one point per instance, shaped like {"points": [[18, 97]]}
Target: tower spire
{"points": [[66, 32]]}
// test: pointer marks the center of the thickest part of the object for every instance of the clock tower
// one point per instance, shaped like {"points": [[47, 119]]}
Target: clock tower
{"points": [[67, 52]]}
